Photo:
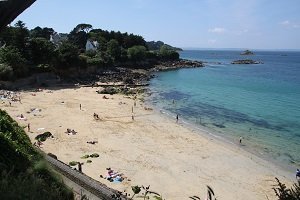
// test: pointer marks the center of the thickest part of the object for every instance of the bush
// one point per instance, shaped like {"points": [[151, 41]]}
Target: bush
{"points": [[73, 163], [88, 161], [23, 172], [94, 155], [137, 53], [283, 193], [43, 137], [6, 72], [85, 157]]}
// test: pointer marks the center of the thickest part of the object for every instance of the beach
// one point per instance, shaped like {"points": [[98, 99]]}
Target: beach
{"points": [[151, 149]]}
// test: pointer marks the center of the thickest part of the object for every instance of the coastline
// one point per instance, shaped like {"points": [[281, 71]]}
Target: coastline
{"points": [[153, 149], [229, 140]]}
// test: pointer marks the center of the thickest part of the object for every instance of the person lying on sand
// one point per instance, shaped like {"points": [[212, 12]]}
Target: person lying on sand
{"points": [[96, 116]]}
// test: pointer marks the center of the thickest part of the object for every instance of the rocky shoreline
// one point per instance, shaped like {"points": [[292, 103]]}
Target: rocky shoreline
{"points": [[118, 77]]}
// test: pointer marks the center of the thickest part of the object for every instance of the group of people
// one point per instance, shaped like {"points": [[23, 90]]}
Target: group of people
{"points": [[69, 131]]}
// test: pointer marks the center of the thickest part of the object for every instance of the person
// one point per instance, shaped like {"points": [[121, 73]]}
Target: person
{"points": [[177, 118], [132, 117], [297, 174], [241, 139], [10, 104], [80, 106], [28, 127]]}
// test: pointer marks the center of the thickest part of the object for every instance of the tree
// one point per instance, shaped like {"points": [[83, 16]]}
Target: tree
{"points": [[79, 35], [6, 72], [42, 51], [167, 53], [68, 55], [136, 53], [114, 49], [12, 57], [39, 32], [20, 36]]}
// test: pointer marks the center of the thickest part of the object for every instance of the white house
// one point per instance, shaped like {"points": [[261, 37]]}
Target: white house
{"points": [[91, 45], [57, 39]]}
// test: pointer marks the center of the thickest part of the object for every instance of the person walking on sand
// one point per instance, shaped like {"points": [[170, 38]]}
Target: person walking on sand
{"points": [[10, 104], [80, 106], [28, 127], [132, 117], [241, 139], [177, 118]]}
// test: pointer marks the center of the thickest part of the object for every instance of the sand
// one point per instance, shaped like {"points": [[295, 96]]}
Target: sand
{"points": [[154, 150]]}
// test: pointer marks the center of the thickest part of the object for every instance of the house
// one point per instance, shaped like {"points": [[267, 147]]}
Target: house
{"points": [[91, 45], [57, 39]]}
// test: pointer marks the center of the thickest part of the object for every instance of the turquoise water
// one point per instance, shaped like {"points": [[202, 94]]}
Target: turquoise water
{"points": [[261, 102]]}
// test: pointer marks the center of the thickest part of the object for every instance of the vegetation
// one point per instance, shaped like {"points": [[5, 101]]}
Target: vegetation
{"points": [[94, 155], [23, 172], [43, 137], [73, 163], [24, 51], [284, 193]]}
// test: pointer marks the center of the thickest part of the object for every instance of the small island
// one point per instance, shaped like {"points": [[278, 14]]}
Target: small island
{"points": [[246, 61], [247, 52]]}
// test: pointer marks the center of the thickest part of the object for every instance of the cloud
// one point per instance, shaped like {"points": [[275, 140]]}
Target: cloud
{"points": [[212, 41], [216, 30], [289, 24], [285, 23]]}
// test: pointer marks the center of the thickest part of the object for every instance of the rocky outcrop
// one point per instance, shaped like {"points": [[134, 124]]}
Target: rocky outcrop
{"points": [[247, 52], [245, 62], [172, 65]]}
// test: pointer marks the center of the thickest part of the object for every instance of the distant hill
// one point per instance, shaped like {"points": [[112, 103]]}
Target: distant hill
{"points": [[155, 46]]}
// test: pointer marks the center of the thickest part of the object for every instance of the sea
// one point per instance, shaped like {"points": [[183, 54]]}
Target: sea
{"points": [[258, 102]]}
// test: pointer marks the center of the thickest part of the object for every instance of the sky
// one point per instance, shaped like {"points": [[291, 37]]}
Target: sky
{"points": [[251, 24]]}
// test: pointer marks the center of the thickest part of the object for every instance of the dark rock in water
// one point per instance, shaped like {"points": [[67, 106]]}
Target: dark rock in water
{"points": [[247, 61], [247, 52]]}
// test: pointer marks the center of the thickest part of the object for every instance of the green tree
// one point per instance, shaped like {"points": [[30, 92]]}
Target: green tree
{"points": [[136, 53], [79, 35], [42, 51], [11, 56], [167, 53], [68, 55], [39, 32], [6, 72], [114, 49]]}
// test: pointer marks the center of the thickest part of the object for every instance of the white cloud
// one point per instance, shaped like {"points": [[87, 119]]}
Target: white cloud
{"points": [[216, 30], [285, 23], [289, 24], [212, 41]]}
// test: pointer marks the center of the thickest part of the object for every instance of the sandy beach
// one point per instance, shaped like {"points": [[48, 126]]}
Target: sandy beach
{"points": [[152, 149]]}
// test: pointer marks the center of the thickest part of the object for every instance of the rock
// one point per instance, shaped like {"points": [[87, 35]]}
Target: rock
{"points": [[247, 52], [247, 61]]}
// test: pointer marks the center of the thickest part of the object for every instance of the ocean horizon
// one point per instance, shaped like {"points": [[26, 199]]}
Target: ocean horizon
{"points": [[256, 102]]}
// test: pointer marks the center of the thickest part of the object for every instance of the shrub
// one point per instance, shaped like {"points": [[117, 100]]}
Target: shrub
{"points": [[85, 157], [88, 161], [94, 155], [73, 163], [6, 72], [283, 193], [43, 137]]}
